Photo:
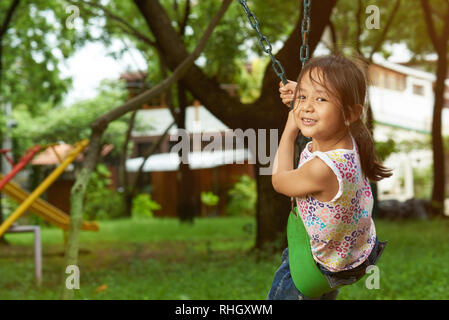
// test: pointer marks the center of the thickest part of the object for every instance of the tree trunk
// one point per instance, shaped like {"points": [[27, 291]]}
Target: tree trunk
{"points": [[76, 206], [440, 43], [437, 204], [123, 174], [188, 200]]}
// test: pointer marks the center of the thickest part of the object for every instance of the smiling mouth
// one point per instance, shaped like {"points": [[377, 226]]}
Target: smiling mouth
{"points": [[308, 121]]}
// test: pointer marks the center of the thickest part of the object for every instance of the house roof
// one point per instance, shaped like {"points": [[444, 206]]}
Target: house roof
{"points": [[197, 160], [157, 121], [134, 76], [50, 155], [406, 70]]}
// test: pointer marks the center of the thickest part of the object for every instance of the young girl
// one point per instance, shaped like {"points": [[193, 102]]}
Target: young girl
{"points": [[331, 182]]}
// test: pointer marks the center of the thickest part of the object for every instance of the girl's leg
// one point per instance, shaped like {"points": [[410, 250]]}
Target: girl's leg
{"points": [[283, 287]]}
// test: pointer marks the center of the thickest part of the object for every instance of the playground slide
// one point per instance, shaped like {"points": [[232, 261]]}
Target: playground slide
{"points": [[44, 209]]}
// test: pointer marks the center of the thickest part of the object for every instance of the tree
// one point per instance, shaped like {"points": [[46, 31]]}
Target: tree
{"points": [[98, 128], [440, 42], [33, 41], [3, 29], [72, 124]]}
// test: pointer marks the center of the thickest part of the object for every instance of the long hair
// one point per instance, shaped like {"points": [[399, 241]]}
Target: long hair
{"points": [[347, 83]]}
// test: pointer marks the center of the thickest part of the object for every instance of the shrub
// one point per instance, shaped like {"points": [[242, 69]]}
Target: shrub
{"points": [[385, 148], [209, 198], [144, 206], [242, 197], [423, 178], [102, 203]]}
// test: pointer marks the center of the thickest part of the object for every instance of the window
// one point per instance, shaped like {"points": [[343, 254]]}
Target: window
{"points": [[418, 89], [400, 83]]}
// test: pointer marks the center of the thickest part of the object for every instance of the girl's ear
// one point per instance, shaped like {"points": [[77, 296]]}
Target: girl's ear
{"points": [[356, 113]]}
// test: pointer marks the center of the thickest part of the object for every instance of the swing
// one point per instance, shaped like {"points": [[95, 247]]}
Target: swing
{"points": [[306, 275]]}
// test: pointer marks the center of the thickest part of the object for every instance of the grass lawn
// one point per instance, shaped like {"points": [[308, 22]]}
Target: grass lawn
{"points": [[162, 259]]}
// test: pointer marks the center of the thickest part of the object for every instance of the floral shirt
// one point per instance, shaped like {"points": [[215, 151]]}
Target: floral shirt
{"points": [[342, 232]]}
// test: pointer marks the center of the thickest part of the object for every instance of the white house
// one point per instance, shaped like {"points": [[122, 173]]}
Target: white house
{"points": [[402, 102]]}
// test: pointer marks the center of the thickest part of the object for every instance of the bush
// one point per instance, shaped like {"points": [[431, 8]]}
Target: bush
{"points": [[423, 178], [143, 206], [209, 198], [385, 148], [102, 203], [242, 197]]}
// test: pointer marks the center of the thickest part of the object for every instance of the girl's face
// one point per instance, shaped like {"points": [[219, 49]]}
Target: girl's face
{"points": [[318, 114]]}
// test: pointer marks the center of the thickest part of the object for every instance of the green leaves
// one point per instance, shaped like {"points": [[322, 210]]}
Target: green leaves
{"points": [[209, 198], [243, 197], [144, 206], [385, 148], [102, 203], [34, 45], [71, 124]]}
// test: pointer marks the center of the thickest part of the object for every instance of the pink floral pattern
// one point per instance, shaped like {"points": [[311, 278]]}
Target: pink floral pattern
{"points": [[342, 232]]}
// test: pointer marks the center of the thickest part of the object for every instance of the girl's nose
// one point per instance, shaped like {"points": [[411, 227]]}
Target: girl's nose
{"points": [[307, 106]]}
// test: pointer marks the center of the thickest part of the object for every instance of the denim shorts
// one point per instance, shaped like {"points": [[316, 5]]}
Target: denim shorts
{"points": [[283, 287]]}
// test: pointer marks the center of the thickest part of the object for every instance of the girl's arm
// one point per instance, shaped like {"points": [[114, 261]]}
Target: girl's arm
{"points": [[312, 177]]}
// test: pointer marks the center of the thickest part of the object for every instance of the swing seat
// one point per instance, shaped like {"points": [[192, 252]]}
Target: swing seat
{"points": [[306, 275]]}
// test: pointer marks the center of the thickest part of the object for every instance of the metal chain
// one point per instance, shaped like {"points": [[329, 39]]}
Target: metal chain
{"points": [[265, 45], [277, 67], [305, 30]]}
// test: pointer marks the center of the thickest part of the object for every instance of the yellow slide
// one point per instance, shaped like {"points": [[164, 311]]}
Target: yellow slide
{"points": [[43, 209]]}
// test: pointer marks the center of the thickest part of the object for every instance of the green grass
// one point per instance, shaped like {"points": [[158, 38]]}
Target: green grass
{"points": [[163, 259]]}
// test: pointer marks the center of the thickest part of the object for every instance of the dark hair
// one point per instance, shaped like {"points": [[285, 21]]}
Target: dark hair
{"points": [[347, 82]]}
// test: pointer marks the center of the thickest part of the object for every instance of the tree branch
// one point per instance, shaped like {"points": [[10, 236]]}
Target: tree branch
{"points": [[333, 36], [145, 158], [168, 94], [185, 19], [445, 34], [385, 29], [358, 17], [228, 109], [8, 17], [123, 24], [429, 23], [179, 72]]}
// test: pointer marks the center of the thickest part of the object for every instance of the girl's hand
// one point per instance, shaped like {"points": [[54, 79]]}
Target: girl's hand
{"points": [[291, 127], [287, 92]]}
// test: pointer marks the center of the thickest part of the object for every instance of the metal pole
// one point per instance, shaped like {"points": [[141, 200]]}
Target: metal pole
{"points": [[38, 255]]}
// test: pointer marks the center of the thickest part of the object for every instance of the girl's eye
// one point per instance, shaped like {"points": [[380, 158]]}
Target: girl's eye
{"points": [[321, 99]]}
